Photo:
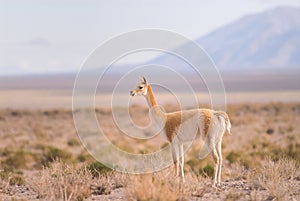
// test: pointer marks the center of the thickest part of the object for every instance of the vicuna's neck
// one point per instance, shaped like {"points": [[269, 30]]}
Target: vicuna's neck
{"points": [[152, 103], [150, 97]]}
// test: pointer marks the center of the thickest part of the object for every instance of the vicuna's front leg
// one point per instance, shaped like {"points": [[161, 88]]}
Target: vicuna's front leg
{"points": [[181, 152], [181, 160], [175, 156], [178, 159]]}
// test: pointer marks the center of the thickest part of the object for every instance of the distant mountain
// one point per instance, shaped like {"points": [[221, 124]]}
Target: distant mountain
{"points": [[257, 52], [267, 40]]}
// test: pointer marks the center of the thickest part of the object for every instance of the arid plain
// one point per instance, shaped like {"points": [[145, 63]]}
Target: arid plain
{"points": [[43, 158]]}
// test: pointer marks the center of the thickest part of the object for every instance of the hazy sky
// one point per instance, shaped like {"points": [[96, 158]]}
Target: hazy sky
{"points": [[56, 36]]}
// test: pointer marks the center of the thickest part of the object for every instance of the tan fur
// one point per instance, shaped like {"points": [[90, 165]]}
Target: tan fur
{"points": [[206, 120], [175, 119], [172, 123]]}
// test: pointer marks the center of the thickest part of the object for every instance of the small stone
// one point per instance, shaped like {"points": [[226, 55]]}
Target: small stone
{"points": [[270, 131]]}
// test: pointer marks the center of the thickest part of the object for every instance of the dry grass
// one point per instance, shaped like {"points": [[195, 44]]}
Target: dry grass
{"points": [[261, 158], [277, 178], [164, 186], [107, 182], [152, 187], [62, 182]]}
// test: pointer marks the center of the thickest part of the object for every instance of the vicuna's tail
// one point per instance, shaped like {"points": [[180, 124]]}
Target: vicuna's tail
{"points": [[227, 121]]}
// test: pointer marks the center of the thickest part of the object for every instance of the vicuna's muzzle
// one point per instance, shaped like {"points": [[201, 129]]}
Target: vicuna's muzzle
{"points": [[132, 93]]}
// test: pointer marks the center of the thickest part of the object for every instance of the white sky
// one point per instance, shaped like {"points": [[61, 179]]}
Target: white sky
{"points": [[56, 36]]}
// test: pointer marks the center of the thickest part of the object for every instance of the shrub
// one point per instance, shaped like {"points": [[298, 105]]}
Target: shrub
{"points": [[96, 168], [16, 180], [51, 154], [242, 159], [81, 158], [291, 151], [233, 157], [12, 178], [192, 163], [73, 142], [207, 171], [17, 160]]}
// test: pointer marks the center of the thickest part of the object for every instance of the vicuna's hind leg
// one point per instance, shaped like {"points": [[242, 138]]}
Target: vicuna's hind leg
{"points": [[219, 152], [216, 167], [175, 156]]}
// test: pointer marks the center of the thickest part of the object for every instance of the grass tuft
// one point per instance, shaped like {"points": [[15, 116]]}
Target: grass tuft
{"points": [[62, 182], [276, 177]]}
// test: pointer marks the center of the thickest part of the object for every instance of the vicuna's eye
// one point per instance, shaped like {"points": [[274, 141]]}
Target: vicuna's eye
{"points": [[140, 87]]}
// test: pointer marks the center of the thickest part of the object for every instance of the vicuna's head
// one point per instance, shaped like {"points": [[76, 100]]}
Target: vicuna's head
{"points": [[141, 88]]}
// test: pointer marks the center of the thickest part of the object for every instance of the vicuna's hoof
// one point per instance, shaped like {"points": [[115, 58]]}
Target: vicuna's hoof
{"points": [[216, 185]]}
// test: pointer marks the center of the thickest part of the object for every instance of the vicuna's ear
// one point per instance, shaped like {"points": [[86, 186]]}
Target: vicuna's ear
{"points": [[144, 80]]}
